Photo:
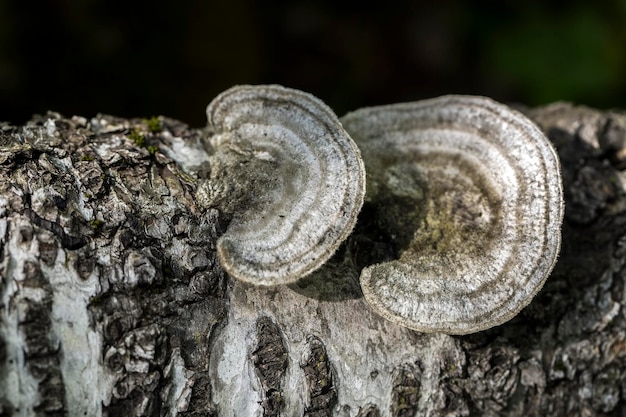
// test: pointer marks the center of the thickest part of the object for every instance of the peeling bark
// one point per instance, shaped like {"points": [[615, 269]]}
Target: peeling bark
{"points": [[112, 301]]}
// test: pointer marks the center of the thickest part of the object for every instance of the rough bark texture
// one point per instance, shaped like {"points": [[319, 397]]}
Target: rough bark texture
{"points": [[112, 301]]}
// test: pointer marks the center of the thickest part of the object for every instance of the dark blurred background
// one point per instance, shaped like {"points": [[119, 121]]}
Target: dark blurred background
{"points": [[172, 57]]}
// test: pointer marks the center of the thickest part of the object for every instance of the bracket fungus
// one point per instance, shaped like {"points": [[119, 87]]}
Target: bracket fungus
{"points": [[289, 177], [469, 192]]}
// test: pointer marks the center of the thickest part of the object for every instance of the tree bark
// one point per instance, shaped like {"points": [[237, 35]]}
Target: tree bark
{"points": [[113, 302]]}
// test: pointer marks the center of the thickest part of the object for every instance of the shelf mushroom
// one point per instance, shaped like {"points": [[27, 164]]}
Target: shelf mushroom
{"points": [[288, 176], [469, 192]]}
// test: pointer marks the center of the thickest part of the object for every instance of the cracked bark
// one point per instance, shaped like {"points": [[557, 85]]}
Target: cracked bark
{"points": [[112, 301]]}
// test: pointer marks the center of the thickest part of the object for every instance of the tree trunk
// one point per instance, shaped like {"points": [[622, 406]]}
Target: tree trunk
{"points": [[113, 302]]}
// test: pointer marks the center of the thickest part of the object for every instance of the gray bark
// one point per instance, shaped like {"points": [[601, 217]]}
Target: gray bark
{"points": [[112, 301]]}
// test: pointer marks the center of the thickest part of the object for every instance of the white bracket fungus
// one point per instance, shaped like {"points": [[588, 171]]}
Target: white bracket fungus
{"points": [[470, 193], [289, 176]]}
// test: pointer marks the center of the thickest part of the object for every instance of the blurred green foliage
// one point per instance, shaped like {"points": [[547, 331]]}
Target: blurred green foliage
{"points": [[172, 58], [573, 53]]}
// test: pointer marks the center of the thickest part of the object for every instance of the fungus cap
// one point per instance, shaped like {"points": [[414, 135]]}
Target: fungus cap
{"points": [[289, 175], [469, 192]]}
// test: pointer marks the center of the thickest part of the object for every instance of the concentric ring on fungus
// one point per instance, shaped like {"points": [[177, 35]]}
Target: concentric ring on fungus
{"points": [[289, 175], [469, 192]]}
